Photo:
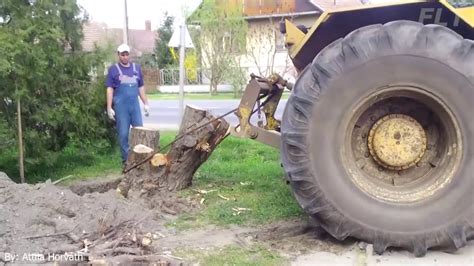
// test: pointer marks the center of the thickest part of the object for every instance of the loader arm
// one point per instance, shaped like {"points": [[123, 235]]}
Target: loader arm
{"points": [[261, 95]]}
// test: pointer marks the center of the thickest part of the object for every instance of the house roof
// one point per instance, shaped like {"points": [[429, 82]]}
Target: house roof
{"points": [[324, 5], [296, 8], [142, 40], [96, 33]]}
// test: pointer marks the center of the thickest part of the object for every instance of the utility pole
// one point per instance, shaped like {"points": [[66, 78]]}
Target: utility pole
{"points": [[181, 40], [182, 74], [125, 29]]}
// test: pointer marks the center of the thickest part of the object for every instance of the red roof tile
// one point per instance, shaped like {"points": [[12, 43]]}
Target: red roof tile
{"points": [[140, 41]]}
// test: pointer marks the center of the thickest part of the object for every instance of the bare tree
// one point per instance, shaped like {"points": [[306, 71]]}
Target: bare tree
{"points": [[221, 39], [264, 43]]}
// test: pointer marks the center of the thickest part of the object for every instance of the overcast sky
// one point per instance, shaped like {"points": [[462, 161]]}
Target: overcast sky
{"points": [[112, 11]]}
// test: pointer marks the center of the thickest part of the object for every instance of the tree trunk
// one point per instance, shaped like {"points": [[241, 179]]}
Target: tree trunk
{"points": [[174, 170]]}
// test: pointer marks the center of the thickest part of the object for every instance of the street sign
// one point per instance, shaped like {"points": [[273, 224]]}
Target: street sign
{"points": [[175, 38]]}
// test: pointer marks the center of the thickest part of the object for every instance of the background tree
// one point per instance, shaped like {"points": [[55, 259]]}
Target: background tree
{"points": [[43, 66], [221, 39], [162, 51], [266, 51]]}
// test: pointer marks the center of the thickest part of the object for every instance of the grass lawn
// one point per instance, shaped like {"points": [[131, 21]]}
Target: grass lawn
{"points": [[241, 173], [80, 162], [249, 175], [199, 96]]}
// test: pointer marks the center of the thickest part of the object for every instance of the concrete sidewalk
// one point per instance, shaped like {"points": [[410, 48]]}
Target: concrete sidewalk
{"points": [[360, 257]]}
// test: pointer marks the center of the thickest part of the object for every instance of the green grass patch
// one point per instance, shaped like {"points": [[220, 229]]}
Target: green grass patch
{"points": [[245, 184], [200, 96], [91, 161], [81, 162], [233, 255]]}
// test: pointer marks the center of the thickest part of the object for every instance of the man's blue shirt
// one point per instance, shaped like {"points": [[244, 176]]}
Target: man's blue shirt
{"points": [[113, 74]]}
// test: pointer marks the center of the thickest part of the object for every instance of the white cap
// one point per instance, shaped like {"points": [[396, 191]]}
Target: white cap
{"points": [[123, 48]]}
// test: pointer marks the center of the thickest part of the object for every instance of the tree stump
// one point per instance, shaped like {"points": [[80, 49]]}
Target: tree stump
{"points": [[144, 141], [174, 170], [145, 136]]}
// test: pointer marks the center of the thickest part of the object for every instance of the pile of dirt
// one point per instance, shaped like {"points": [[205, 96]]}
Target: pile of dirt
{"points": [[44, 222]]}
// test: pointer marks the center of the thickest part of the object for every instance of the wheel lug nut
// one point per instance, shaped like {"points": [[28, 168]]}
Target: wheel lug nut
{"points": [[366, 154], [418, 164], [372, 118], [364, 135], [380, 168], [429, 147]]}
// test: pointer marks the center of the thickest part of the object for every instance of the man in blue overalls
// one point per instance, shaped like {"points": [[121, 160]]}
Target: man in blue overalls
{"points": [[124, 84]]}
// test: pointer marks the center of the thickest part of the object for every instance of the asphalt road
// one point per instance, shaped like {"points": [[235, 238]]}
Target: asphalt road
{"points": [[164, 114]]}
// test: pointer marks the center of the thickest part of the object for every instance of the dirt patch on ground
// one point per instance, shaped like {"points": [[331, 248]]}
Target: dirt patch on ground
{"points": [[298, 236], [290, 238], [94, 222], [39, 220]]}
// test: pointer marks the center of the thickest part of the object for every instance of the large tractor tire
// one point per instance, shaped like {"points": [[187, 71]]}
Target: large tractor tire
{"points": [[378, 137]]}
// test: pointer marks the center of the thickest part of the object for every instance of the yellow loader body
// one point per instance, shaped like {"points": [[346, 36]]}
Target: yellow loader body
{"points": [[337, 23]]}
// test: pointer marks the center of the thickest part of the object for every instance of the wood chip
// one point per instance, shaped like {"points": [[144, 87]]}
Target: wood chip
{"points": [[201, 191], [159, 160], [238, 210], [203, 147], [147, 240], [159, 234], [241, 209], [140, 148], [222, 197], [62, 179]]}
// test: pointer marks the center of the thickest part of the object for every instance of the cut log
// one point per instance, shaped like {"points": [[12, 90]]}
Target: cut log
{"points": [[145, 136], [174, 170], [143, 141]]}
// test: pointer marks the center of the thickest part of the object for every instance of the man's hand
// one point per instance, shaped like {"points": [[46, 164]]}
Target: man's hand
{"points": [[146, 109], [111, 113]]}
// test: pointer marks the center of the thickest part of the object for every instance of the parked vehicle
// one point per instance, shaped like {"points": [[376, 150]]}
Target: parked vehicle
{"points": [[377, 138]]}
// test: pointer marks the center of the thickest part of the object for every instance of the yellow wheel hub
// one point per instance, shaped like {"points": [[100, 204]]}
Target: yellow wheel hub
{"points": [[397, 142]]}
